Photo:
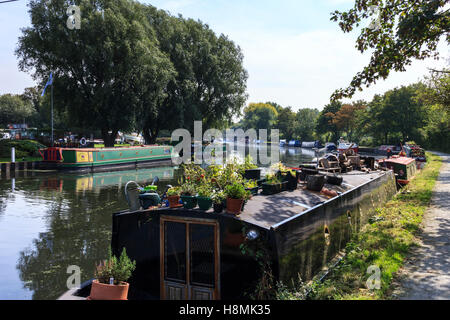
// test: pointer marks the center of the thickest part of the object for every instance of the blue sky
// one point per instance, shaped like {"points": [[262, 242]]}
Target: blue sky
{"points": [[294, 54]]}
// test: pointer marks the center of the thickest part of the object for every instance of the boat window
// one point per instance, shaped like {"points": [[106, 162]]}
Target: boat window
{"points": [[202, 264], [175, 251]]}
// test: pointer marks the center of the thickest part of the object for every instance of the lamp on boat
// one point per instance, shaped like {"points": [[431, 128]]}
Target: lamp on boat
{"points": [[252, 235]]}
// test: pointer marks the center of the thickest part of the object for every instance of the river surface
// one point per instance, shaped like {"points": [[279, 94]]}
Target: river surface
{"points": [[51, 221]]}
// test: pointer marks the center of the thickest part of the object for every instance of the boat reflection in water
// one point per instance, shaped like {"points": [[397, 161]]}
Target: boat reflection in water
{"points": [[96, 181]]}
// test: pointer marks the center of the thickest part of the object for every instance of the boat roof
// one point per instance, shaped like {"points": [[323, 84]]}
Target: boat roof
{"points": [[110, 149], [399, 160], [270, 211]]}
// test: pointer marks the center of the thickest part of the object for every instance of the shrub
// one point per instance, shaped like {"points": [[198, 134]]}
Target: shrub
{"points": [[236, 191], [204, 191], [173, 191], [119, 269], [188, 189]]}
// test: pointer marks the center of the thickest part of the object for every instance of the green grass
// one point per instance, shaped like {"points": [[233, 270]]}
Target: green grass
{"points": [[24, 149], [384, 243], [116, 145], [27, 159]]}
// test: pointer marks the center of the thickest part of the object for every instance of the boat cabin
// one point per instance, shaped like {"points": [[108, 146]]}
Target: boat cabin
{"points": [[404, 168]]}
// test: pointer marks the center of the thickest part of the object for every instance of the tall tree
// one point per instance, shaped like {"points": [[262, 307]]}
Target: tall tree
{"points": [[102, 70], [346, 119], [437, 89], [306, 121], [286, 122], [325, 122], [210, 81], [14, 109], [259, 116], [401, 31]]}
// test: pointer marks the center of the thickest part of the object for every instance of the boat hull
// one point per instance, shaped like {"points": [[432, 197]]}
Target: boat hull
{"points": [[105, 159]]}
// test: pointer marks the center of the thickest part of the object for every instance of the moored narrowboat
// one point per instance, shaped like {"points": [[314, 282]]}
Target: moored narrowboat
{"points": [[404, 168], [101, 159], [201, 255]]}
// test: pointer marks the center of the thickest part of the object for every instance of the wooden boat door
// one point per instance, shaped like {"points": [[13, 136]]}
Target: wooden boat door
{"points": [[189, 254]]}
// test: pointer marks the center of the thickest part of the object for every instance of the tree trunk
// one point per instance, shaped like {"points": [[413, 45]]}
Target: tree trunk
{"points": [[150, 135], [109, 138]]}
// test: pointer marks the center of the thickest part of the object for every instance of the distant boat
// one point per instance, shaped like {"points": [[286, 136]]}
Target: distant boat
{"points": [[133, 138], [311, 145], [295, 143], [330, 146], [283, 143], [344, 146]]}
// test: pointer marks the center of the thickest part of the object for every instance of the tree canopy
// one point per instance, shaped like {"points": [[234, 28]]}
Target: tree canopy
{"points": [[402, 31], [132, 67], [13, 109], [210, 81], [259, 116]]}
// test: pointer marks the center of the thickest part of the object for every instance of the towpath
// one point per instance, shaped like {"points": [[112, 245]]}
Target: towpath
{"points": [[426, 275]]}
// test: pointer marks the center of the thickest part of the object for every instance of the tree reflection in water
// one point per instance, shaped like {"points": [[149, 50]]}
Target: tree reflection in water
{"points": [[79, 227]]}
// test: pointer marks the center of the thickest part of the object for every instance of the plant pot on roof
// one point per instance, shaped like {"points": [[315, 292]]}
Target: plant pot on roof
{"points": [[111, 277], [289, 176], [204, 199], [219, 201], [250, 170], [273, 185], [236, 196], [188, 195], [173, 195], [252, 187]]}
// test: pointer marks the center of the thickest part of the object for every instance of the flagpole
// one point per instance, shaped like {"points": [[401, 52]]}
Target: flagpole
{"points": [[52, 113]]}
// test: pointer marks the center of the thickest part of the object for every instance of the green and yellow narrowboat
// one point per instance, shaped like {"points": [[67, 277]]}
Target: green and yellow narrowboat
{"points": [[104, 159]]}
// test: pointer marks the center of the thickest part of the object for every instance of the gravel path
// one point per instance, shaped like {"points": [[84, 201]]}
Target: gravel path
{"points": [[426, 275]]}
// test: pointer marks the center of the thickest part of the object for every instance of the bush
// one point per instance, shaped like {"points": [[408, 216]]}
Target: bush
{"points": [[120, 269], [235, 191], [24, 148], [173, 191]]}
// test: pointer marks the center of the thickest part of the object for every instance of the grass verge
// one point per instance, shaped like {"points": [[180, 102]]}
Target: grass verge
{"points": [[384, 243]]}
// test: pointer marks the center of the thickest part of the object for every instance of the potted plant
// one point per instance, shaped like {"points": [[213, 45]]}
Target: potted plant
{"points": [[188, 195], [219, 201], [111, 278], [236, 196], [273, 185], [252, 186], [173, 195], [251, 171], [287, 175], [204, 193]]}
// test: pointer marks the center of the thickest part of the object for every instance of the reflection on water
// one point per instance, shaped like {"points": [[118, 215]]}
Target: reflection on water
{"points": [[49, 222]]}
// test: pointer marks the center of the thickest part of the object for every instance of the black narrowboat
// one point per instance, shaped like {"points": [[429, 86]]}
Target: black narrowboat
{"points": [[186, 254], [194, 255]]}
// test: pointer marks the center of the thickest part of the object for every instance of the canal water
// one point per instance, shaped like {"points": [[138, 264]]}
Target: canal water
{"points": [[51, 221]]}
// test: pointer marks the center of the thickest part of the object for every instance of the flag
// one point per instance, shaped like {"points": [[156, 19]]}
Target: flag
{"points": [[49, 82]]}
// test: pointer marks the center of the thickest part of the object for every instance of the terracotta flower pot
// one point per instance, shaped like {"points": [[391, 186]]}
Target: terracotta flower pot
{"points": [[174, 201], [101, 291], [234, 206]]}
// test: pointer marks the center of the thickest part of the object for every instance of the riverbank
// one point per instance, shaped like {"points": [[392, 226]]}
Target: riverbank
{"points": [[385, 243], [426, 274]]}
